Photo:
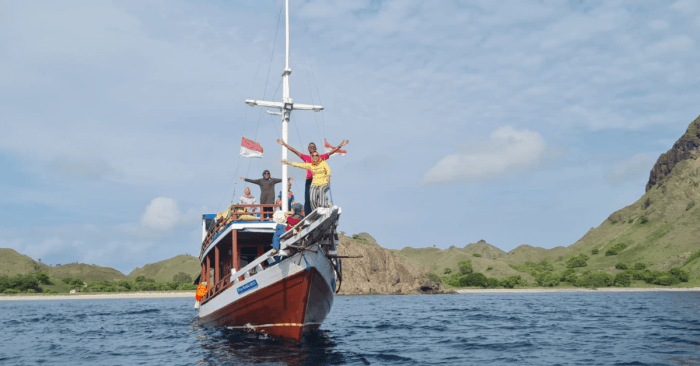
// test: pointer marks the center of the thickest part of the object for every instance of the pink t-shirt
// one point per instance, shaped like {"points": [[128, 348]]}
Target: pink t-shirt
{"points": [[307, 159]]}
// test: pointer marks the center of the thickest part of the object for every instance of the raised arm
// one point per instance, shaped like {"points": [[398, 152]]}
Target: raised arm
{"points": [[254, 181], [279, 141], [306, 166], [343, 143]]}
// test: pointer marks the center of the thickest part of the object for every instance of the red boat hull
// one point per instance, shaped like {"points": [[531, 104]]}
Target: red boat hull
{"points": [[288, 308]]}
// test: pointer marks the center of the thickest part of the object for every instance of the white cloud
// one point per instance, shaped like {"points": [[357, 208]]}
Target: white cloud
{"points": [[686, 7], [161, 214], [633, 168], [507, 151]]}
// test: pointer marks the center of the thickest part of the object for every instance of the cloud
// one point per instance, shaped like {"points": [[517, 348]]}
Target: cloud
{"points": [[161, 214], [507, 151], [636, 167]]}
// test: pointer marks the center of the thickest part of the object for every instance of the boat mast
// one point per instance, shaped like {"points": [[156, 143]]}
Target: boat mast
{"points": [[286, 107]]}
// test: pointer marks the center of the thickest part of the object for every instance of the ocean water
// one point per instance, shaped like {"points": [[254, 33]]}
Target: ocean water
{"points": [[484, 329]]}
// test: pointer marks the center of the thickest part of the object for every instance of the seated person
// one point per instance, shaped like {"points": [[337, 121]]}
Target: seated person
{"points": [[247, 199], [291, 221]]}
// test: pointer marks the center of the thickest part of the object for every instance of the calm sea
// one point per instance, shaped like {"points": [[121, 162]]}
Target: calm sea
{"points": [[487, 329]]}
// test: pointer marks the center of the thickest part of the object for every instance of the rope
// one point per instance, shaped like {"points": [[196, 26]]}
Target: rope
{"points": [[312, 101], [269, 68], [323, 119], [250, 326]]}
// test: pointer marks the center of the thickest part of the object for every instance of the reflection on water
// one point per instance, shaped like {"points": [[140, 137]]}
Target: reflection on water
{"points": [[225, 346]]}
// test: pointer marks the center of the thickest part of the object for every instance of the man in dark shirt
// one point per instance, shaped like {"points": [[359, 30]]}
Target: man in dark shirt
{"points": [[267, 189]]}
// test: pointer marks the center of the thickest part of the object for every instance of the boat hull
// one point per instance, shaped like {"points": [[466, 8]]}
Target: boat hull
{"points": [[288, 308]]}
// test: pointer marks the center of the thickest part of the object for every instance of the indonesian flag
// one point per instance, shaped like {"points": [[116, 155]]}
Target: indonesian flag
{"points": [[251, 149], [330, 148]]}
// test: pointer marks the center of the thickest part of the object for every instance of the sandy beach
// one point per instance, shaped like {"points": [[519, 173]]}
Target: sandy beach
{"points": [[148, 295], [546, 290], [98, 296]]}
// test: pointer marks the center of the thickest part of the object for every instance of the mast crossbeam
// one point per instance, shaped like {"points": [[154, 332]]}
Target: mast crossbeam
{"points": [[284, 106]]}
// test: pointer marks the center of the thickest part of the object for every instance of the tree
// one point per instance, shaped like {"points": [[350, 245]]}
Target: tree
{"points": [[182, 277], [622, 280], [465, 267], [42, 278], [577, 261]]}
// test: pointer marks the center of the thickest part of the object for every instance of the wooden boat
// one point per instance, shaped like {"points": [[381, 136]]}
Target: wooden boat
{"points": [[251, 289]]}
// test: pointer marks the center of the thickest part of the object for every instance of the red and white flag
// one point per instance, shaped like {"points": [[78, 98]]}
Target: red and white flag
{"points": [[330, 148], [251, 149]]}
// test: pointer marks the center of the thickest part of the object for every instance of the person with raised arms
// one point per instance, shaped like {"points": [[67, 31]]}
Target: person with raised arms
{"points": [[321, 179], [309, 174], [267, 190]]}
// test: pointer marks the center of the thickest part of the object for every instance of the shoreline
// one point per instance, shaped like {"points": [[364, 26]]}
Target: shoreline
{"points": [[98, 296], [184, 294], [603, 289]]}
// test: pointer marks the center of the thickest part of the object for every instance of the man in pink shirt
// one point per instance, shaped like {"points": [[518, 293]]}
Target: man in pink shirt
{"points": [[309, 175]]}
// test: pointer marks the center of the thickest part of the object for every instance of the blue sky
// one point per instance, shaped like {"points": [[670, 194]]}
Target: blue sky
{"points": [[515, 122]]}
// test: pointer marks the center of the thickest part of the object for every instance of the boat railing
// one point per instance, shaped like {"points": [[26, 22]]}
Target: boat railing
{"points": [[238, 213], [301, 229], [242, 274]]}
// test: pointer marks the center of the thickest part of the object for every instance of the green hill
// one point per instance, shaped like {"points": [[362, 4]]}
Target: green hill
{"points": [[438, 260], [661, 230], [12, 263], [165, 270], [86, 272]]}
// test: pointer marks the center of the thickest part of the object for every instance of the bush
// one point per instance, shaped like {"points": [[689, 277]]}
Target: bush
{"points": [[622, 280], [577, 261], [476, 255], [473, 279], [547, 279], [511, 281], [11, 291], [492, 283], [75, 282], [640, 266], [596, 279], [643, 220], [572, 279], [666, 280], [680, 274], [182, 277], [189, 286], [489, 268], [465, 267], [594, 251], [621, 266], [615, 249], [42, 278], [567, 273], [447, 271]]}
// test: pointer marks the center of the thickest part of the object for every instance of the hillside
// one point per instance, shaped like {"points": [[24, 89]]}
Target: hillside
{"points": [[12, 263], [438, 260], [164, 270], [86, 272], [378, 271], [661, 230]]}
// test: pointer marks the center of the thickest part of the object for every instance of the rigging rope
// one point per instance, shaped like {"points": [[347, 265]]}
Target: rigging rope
{"points": [[311, 94], [238, 163]]}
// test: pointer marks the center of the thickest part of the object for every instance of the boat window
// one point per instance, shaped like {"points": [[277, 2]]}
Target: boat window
{"points": [[248, 254]]}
